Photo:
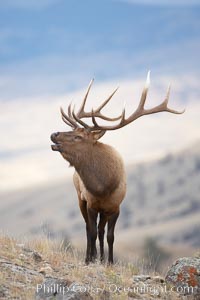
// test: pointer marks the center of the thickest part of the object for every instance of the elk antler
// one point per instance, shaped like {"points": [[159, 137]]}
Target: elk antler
{"points": [[73, 117]]}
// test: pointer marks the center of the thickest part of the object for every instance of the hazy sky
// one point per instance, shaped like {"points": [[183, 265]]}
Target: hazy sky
{"points": [[49, 51], [56, 46]]}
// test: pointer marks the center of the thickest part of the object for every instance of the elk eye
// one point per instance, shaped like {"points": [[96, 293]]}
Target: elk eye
{"points": [[78, 138]]}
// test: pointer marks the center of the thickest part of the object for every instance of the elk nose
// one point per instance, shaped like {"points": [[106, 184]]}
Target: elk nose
{"points": [[54, 135]]}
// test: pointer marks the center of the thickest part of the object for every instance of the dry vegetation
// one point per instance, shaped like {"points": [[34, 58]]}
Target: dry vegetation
{"points": [[24, 264]]}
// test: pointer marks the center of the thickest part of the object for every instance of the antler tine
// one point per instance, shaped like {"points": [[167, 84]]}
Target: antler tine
{"points": [[165, 102], [123, 115], [73, 118], [94, 120], [78, 119], [81, 112], [106, 101], [140, 111], [69, 111], [144, 92], [97, 111], [163, 106], [69, 121]]}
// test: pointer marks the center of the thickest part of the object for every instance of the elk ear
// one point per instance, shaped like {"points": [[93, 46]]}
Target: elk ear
{"points": [[98, 134]]}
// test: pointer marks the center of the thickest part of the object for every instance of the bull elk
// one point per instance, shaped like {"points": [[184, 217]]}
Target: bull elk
{"points": [[99, 177]]}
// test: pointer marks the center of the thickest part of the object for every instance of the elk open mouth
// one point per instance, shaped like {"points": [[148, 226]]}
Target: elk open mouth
{"points": [[56, 145]]}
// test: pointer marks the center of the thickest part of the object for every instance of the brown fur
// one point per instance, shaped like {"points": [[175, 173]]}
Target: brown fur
{"points": [[100, 177], [99, 180]]}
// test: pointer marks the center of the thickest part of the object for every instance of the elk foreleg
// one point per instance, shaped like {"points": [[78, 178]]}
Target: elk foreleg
{"points": [[101, 231], [110, 235], [83, 208], [92, 218]]}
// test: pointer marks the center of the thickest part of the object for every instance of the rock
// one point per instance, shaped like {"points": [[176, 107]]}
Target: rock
{"points": [[105, 295], [22, 256], [27, 250], [51, 287], [133, 295], [61, 289], [158, 279], [46, 270], [36, 256], [184, 275], [139, 278], [3, 292], [78, 292], [19, 269], [20, 245]]}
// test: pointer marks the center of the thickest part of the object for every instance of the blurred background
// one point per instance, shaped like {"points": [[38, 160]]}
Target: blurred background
{"points": [[49, 51]]}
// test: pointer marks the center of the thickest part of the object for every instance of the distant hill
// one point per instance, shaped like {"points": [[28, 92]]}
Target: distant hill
{"points": [[163, 201]]}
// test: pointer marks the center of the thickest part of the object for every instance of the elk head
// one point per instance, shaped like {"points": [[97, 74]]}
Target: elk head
{"points": [[81, 139]]}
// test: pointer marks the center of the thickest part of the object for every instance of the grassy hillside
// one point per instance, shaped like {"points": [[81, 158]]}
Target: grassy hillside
{"points": [[26, 264]]}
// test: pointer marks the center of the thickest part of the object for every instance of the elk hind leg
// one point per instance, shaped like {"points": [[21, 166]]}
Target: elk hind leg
{"points": [[101, 230], [110, 235], [92, 221]]}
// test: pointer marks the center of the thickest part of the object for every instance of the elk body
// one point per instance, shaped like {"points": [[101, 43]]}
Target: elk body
{"points": [[99, 177]]}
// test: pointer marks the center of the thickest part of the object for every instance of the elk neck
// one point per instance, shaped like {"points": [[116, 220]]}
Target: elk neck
{"points": [[100, 168]]}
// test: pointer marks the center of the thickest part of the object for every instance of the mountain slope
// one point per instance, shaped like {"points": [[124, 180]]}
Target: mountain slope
{"points": [[163, 200]]}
